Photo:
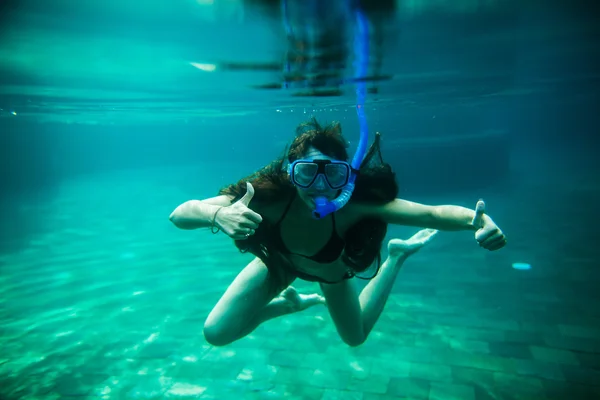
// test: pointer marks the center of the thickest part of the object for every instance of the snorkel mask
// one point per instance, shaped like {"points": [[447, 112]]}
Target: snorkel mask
{"points": [[304, 173]]}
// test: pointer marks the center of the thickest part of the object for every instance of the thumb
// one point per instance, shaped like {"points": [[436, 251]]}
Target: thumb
{"points": [[249, 194], [479, 211]]}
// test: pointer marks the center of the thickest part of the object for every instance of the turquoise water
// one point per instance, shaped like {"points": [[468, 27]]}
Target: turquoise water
{"points": [[111, 117]]}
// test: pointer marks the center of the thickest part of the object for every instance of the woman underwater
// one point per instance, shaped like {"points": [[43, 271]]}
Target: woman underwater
{"points": [[269, 214]]}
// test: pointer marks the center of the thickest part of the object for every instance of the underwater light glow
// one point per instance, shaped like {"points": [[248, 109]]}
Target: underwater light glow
{"points": [[204, 67], [521, 266]]}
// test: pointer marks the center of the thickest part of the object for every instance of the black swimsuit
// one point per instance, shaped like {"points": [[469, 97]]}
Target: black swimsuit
{"points": [[329, 253]]}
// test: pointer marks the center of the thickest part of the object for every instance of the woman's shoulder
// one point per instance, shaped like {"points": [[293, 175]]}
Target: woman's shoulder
{"points": [[357, 210], [350, 214]]}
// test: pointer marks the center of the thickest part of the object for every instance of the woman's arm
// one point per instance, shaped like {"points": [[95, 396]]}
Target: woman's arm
{"points": [[194, 214], [404, 212]]}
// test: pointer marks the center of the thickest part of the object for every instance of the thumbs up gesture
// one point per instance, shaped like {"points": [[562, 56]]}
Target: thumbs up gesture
{"points": [[237, 220], [488, 235]]}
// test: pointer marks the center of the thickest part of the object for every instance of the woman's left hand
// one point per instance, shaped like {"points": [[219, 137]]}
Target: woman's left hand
{"points": [[489, 236]]}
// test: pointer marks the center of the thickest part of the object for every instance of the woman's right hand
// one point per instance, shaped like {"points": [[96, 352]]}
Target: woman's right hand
{"points": [[237, 220]]}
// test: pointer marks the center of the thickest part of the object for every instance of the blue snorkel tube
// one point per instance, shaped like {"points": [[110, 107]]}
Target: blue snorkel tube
{"points": [[324, 207]]}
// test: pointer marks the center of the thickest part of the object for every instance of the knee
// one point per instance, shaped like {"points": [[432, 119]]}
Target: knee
{"points": [[216, 336], [355, 341]]}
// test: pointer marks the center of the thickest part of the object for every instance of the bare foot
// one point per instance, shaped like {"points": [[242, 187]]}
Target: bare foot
{"points": [[398, 247], [301, 301]]}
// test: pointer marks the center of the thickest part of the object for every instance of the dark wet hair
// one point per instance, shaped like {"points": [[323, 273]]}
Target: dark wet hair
{"points": [[375, 183], [328, 140]]}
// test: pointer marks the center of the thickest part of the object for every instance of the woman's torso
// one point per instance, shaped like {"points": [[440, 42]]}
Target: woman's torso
{"points": [[302, 237]]}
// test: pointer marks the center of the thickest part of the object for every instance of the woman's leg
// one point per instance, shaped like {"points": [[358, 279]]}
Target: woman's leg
{"points": [[355, 315], [251, 300]]}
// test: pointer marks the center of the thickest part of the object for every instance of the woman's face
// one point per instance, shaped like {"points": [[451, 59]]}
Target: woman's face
{"points": [[319, 188]]}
